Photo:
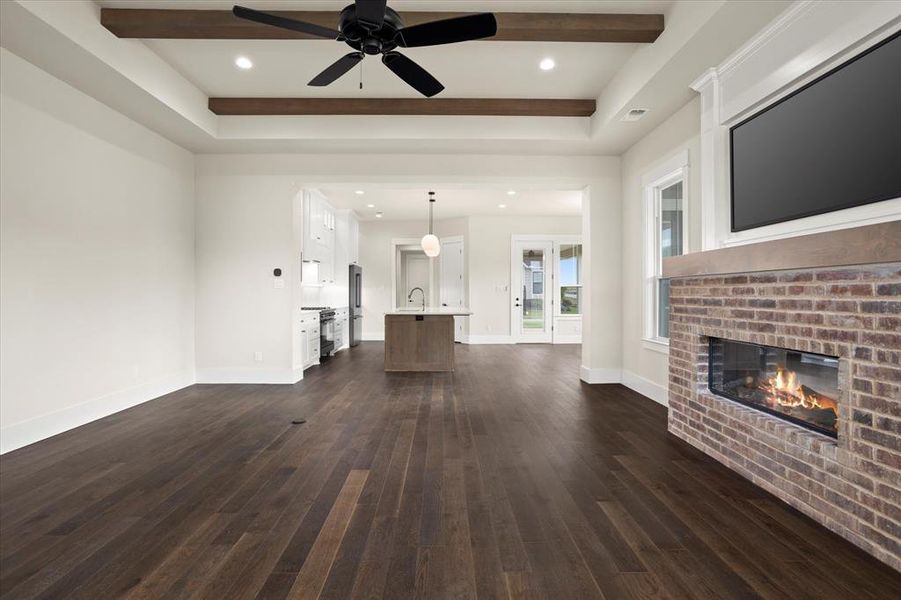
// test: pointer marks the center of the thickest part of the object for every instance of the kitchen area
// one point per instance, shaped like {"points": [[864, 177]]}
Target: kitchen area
{"points": [[330, 316], [419, 336]]}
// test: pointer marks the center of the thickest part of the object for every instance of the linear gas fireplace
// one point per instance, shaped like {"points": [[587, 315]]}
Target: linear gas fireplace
{"points": [[800, 387]]}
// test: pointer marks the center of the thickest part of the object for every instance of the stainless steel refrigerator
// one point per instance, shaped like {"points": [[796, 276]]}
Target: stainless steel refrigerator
{"points": [[356, 304]]}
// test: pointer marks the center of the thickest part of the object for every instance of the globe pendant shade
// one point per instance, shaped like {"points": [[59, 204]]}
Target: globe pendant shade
{"points": [[430, 245]]}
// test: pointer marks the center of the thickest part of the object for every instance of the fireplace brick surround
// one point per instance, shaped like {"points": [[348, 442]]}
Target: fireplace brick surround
{"points": [[852, 484]]}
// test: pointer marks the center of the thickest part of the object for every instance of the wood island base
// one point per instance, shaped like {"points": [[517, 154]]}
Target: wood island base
{"points": [[423, 343]]}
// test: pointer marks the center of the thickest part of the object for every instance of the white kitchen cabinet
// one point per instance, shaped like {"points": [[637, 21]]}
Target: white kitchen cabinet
{"points": [[354, 239], [342, 329], [307, 339], [319, 226], [342, 245], [319, 236]]}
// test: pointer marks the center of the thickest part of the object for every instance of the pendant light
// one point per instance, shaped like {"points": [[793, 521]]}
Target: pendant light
{"points": [[430, 244]]}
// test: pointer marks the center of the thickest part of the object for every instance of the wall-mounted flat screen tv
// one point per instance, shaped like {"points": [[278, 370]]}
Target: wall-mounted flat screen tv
{"points": [[833, 144]]}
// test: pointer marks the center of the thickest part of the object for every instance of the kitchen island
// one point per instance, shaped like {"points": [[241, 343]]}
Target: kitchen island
{"points": [[421, 339]]}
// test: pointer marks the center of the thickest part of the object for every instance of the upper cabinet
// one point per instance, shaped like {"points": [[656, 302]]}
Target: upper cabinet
{"points": [[330, 239], [319, 227], [347, 240], [354, 244]]}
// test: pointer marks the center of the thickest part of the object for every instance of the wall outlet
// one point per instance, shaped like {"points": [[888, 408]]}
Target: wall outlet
{"points": [[258, 356]]}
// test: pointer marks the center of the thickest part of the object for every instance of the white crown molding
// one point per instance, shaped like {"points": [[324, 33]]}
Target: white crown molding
{"points": [[764, 36], [704, 80]]}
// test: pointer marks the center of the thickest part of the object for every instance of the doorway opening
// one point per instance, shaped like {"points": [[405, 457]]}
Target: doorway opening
{"points": [[414, 274]]}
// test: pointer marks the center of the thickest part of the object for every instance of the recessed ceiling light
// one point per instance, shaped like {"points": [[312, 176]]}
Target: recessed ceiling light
{"points": [[511, 192], [370, 206], [378, 215], [359, 192], [242, 62], [502, 206], [547, 64]]}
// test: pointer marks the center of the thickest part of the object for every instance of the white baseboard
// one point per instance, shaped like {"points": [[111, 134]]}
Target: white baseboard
{"points": [[45, 426], [646, 387], [264, 376], [643, 386], [373, 337], [489, 339], [600, 375]]}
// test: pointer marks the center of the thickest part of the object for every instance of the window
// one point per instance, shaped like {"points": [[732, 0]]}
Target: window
{"points": [[666, 229], [537, 282], [570, 269]]}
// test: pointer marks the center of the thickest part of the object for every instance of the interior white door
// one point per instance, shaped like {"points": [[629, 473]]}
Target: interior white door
{"points": [[451, 285], [531, 291]]}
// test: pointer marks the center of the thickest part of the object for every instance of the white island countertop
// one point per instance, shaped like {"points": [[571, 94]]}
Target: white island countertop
{"points": [[439, 311]]}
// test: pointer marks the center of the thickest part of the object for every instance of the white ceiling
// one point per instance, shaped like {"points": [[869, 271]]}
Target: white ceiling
{"points": [[165, 84], [282, 68], [470, 70], [411, 203]]}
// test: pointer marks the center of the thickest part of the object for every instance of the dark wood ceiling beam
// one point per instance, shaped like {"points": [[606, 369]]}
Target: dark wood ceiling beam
{"points": [[512, 27], [504, 107]]}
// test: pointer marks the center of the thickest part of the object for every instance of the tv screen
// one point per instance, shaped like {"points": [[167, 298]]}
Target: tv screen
{"points": [[833, 144]]}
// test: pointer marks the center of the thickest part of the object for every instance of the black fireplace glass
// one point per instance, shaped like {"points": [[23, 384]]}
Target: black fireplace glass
{"points": [[801, 387]]}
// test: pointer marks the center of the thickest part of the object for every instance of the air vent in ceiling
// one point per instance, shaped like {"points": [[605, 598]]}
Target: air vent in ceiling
{"points": [[634, 114]]}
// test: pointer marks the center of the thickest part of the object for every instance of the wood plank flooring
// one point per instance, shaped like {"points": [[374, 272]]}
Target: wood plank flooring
{"points": [[506, 479]]}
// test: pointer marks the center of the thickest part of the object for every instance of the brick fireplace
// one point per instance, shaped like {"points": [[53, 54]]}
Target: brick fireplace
{"points": [[850, 483]]}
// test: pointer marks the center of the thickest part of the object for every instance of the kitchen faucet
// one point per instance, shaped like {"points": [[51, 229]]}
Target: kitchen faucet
{"points": [[410, 296]]}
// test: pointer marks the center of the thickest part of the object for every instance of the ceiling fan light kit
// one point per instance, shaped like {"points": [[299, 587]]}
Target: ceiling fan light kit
{"points": [[431, 245], [370, 27]]}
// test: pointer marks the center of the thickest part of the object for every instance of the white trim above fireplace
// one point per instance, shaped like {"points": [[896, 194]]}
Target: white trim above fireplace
{"points": [[804, 42]]}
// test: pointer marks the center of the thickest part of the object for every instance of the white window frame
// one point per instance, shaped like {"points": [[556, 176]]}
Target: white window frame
{"points": [[670, 172], [575, 240]]}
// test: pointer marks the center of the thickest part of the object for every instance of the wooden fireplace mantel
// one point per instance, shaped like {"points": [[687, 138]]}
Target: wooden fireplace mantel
{"points": [[870, 244]]}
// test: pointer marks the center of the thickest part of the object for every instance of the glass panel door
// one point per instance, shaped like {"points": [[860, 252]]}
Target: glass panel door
{"points": [[532, 291]]}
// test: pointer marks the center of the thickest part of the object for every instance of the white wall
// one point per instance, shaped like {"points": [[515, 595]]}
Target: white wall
{"points": [[375, 259], [489, 267], [601, 235], [96, 259], [244, 231], [486, 268], [643, 368]]}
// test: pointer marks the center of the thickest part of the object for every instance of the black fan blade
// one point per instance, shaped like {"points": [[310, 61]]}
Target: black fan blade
{"points": [[448, 31], [337, 69], [371, 12], [413, 74], [285, 23]]}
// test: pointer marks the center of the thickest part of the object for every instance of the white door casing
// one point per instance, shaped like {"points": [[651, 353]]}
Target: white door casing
{"points": [[451, 288]]}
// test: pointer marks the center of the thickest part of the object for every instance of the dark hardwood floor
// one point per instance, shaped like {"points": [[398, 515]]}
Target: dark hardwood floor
{"points": [[508, 478]]}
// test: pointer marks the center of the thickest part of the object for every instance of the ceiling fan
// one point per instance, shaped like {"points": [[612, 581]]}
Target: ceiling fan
{"points": [[370, 27]]}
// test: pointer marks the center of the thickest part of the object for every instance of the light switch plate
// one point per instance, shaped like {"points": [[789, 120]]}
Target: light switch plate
{"points": [[278, 282]]}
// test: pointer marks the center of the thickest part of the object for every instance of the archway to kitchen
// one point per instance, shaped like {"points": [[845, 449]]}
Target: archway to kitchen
{"points": [[481, 229]]}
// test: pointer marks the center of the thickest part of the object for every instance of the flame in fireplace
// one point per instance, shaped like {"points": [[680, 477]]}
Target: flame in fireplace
{"points": [[786, 390]]}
